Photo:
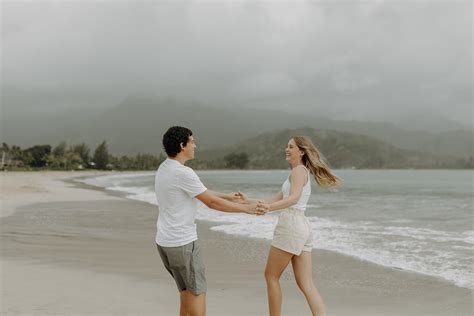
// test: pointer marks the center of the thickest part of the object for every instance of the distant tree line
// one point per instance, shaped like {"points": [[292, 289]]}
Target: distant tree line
{"points": [[80, 157], [75, 157]]}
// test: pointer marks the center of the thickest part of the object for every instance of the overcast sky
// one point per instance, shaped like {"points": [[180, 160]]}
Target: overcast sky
{"points": [[366, 60]]}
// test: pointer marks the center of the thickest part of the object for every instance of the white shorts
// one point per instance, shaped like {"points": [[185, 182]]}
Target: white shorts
{"points": [[293, 232]]}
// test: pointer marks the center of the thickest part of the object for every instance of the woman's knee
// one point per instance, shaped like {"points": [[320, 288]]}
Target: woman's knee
{"points": [[270, 276], [306, 286]]}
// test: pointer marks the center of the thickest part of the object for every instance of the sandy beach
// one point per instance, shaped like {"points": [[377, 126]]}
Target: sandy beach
{"points": [[70, 249]]}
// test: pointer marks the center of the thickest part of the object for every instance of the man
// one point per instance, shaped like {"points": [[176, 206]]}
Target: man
{"points": [[177, 187]]}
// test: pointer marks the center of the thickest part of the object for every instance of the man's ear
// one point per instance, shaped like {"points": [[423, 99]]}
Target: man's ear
{"points": [[181, 145]]}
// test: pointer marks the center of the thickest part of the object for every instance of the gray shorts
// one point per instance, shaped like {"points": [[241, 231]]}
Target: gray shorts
{"points": [[185, 265]]}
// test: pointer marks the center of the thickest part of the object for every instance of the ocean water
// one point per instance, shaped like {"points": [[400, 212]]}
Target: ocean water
{"points": [[417, 220]]}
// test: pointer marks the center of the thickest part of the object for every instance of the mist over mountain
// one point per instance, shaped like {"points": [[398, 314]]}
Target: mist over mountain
{"points": [[410, 118], [338, 149], [138, 123]]}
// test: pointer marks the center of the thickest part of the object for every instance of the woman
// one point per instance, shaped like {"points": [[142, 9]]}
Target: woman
{"points": [[292, 238]]}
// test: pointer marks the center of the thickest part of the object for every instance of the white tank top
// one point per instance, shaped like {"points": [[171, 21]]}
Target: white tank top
{"points": [[305, 194]]}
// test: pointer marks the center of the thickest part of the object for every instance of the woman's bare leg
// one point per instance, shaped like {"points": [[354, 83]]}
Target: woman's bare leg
{"points": [[303, 270], [277, 262]]}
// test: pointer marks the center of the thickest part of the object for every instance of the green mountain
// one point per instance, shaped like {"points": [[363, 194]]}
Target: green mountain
{"points": [[340, 149], [138, 123]]}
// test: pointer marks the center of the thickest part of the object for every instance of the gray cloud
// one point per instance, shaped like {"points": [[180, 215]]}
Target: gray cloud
{"points": [[364, 60]]}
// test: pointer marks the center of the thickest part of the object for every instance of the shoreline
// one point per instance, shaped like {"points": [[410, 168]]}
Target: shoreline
{"points": [[210, 224], [236, 170], [91, 248]]}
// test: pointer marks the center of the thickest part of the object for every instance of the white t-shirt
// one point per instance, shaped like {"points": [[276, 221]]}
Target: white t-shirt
{"points": [[176, 186]]}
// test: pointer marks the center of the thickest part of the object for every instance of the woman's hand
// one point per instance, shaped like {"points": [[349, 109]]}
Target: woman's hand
{"points": [[262, 207], [256, 209]]}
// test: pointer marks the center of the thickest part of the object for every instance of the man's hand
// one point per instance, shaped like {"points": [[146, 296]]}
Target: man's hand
{"points": [[238, 197], [241, 197]]}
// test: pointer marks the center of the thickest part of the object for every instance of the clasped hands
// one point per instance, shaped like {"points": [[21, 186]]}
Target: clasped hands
{"points": [[255, 207]]}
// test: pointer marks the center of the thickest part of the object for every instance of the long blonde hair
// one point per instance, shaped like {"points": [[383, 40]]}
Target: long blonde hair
{"points": [[312, 159]]}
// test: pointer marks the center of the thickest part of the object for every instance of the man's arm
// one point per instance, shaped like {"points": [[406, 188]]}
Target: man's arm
{"points": [[225, 196], [244, 199], [212, 200]]}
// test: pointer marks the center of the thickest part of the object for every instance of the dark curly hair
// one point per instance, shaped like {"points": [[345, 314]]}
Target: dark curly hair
{"points": [[173, 138]]}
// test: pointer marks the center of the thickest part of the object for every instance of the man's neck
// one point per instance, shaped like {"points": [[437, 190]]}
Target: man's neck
{"points": [[179, 158]]}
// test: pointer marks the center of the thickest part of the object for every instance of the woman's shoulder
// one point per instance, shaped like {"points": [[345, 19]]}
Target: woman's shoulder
{"points": [[298, 171], [300, 168]]}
